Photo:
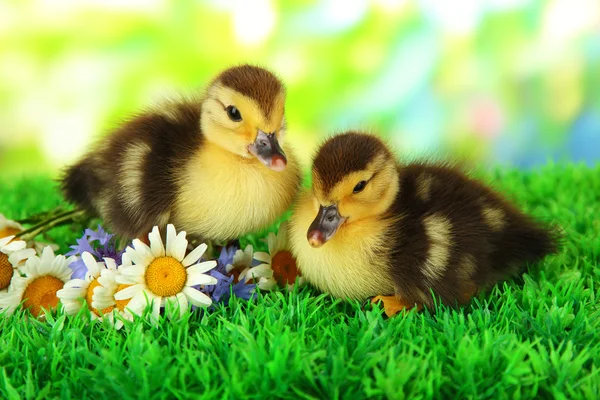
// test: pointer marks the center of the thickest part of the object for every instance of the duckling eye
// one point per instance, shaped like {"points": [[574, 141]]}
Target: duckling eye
{"points": [[360, 186], [233, 113]]}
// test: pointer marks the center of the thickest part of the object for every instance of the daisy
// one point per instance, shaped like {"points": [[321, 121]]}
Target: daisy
{"points": [[103, 297], [79, 291], [279, 259], [45, 276], [13, 255], [244, 270], [160, 276]]}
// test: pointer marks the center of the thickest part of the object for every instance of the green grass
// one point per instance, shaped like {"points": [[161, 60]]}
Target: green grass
{"points": [[534, 337]]}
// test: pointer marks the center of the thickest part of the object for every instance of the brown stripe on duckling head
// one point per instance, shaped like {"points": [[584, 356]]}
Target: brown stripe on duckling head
{"points": [[343, 154], [254, 82]]}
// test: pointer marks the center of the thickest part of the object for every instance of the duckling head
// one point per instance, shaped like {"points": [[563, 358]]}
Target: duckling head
{"points": [[243, 112], [355, 178]]}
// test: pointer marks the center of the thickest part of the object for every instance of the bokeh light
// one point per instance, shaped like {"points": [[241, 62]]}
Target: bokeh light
{"points": [[493, 81]]}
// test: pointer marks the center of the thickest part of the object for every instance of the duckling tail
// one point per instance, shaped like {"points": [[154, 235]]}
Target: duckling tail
{"points": [[79, 183]]}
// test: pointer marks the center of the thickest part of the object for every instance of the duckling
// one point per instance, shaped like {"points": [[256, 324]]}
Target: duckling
{"points": [[371, 227], [216, 166]]}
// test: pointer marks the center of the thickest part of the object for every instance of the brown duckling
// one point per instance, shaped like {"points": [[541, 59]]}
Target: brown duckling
{"points": [[216, 167], [371, 226]]}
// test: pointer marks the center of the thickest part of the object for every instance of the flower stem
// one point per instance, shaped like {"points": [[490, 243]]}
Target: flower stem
{"points": [[52, 222], [42, 216]]}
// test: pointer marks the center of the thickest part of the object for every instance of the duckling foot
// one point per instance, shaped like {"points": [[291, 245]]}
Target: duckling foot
{"points": [[392, 304]]}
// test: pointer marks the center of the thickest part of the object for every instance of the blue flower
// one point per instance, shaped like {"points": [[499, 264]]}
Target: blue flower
{"points": [[225, 287], [226, 256], [101, 236], [243, 290], [220, 291], [98, 243]]}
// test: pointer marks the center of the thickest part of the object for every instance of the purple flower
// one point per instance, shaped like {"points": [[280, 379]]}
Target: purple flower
{"points": [[221, 289], [101, 236], [226, 256], [243, 290], [221, 292], [99, 243]]}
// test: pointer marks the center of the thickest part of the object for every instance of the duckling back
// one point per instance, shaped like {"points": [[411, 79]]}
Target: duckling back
{"points": [[456, 236]]}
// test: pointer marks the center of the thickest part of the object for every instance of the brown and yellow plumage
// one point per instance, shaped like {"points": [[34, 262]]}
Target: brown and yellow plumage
{"points": [[371, 226], [216, 167]]}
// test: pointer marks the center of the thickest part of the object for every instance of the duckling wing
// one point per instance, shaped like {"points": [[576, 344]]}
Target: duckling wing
{"points": [[456, 235], [130, 179]]}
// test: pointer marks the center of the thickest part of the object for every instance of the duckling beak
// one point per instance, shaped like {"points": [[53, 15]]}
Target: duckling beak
{"points": [[266, 148], [324, 226]]}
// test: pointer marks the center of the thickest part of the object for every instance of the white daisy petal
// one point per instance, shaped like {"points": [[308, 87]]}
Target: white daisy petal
{"points": [[31, 265], [182, 303], [9, 223], [242, 258], [197, 278], [15, 245], [107, 278], [71, 293], [132, 270], [243, 273], [91, 264], [103, 295], [129, 280], [156, 243], [5, 240], [129, 292], [110, 263], [47, 256], [267, 284], [171, 234], [72, 308], [125, 260], [180, 246], [137, 304], [18, 257], [118, 324], [143, 253], [56, 264], [76, 283], [260, 271], [194, 255], [196, 297], [262, 257], [201, 267]]}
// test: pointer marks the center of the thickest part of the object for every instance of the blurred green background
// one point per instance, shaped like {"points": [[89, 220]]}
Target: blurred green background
{"points": [[492, 81]]}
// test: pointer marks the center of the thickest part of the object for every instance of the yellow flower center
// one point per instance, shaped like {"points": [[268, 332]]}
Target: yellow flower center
{"points": [[6, 271], [121, 304], [284, 267], [88, 298], [8, 232], [165, 276], [41, 293]]}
